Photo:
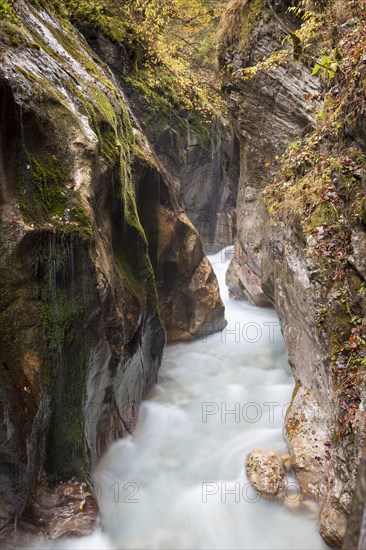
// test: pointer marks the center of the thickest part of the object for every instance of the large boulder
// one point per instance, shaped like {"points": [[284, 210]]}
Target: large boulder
{"points": [[266, 473]]}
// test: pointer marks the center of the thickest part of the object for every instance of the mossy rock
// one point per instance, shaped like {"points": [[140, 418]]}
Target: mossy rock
{"points": [[65, 295], [42, 189], [363, 212]]}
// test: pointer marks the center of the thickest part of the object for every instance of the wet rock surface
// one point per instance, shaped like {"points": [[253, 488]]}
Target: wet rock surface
{"points": [[206, 170], [81, 333], [58, 511], [332, 523], [191, 306], [309, 443], [266, 473], [355, 536], [201, 160]]}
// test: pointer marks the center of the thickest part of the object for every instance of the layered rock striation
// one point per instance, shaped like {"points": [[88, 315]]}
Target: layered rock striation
{"points": [[299, 239]]}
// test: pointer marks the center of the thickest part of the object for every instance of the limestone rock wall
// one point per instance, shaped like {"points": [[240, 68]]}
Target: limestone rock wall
{"points": [[87, 287], [205, 168], [268, 112], [276, 263]]}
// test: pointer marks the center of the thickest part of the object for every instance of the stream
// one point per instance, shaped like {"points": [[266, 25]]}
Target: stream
{"points": [[180, 482]]}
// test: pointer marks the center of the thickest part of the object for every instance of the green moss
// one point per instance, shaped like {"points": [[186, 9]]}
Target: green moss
{"points": [[7, 12], [63, 289], [158, 115], [362, 210], [94, 14], [253, 11], [64, 297], [143, 158], [13, 302], [31, 77], [110, 146], [110, 120], [42, 190], [105, 109], [43, 87], [134, 264], [37, 3], [324, 214], [126, 270], [82, 219], [44, 315], [165, 94], [12, 33], [237, 24]]}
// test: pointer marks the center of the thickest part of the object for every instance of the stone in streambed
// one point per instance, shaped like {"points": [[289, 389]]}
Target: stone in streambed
{"points": [[266, 473], [333, 522]]}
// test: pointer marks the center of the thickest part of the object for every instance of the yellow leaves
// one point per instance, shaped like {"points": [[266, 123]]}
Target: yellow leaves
{"points": [[274, 61], [178, 37]]}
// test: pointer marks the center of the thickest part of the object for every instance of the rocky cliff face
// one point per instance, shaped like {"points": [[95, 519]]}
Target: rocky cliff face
{"points": [[90, 278], [300, 248], [204, 165], [201, 159], [268, 111]]}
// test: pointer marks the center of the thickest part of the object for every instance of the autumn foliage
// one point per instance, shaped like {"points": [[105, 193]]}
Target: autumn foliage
{"points": [[172, 44]]}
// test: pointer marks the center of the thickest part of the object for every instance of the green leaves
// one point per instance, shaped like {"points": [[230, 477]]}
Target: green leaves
{"points": [[326, 65]]}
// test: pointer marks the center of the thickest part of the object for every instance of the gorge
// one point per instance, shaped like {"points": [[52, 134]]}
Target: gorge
{"points": [[127, 153]]}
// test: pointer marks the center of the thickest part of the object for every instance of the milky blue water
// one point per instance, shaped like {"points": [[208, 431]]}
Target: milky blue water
{"points": [[179, 482]]}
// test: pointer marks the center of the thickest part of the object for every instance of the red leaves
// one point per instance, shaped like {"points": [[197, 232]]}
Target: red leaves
{"points": [[329, 195], [333, 243], [353, 343]]}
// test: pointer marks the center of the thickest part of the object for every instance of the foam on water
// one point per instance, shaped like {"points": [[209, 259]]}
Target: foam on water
{"points": [[169, 485]]}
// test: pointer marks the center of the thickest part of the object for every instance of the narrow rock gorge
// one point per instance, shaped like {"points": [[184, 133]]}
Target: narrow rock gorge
{"points": [[135, 139]]}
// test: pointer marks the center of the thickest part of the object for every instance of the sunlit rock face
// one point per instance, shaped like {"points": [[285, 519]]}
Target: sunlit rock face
{"points": [[83, 203], [276, 263]]}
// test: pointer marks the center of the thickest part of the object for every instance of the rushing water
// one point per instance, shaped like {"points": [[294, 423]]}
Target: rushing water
{"points": [[180, 482]]}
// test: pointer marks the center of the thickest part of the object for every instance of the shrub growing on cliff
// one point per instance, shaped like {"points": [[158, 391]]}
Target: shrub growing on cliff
{"points": [[320, 186], [7, 12]]}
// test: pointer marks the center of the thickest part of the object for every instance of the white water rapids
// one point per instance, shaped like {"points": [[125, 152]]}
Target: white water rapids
{"points": [[179, 482]]}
